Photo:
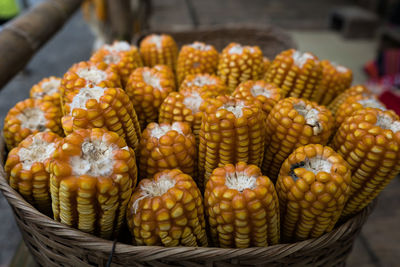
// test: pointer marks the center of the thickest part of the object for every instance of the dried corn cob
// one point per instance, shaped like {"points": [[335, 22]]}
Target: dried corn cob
{"points": [[354, 103], [26, 168], [167, 210], [196, 58], [167, 146], [30, 116], [335, 79], [92, 178], [242, 207], [266, 63], [265, 94], [109, 108], [121, 56], [369, 141], [86, 74], [204, 82], [239, 64], [354, 90], [313, 186], [147, 88], [158, 49], [298, 74], [232, 130], [291, 123], [47, 90]]}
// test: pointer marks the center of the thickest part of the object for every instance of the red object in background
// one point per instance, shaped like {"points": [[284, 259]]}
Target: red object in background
{"points": [[391, 99]]}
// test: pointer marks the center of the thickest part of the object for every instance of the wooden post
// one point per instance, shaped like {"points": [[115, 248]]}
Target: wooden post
{"points": [[23, 36]]}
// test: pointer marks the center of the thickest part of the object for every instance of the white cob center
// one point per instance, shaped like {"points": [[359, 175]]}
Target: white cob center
{"points": [[49, 88], [235, 108], [118, 47], [240, 181], [38, 151], [371, 103], [299, 58], [385, 122], [310, 114], [151, 80], [86, 93], [317, 164], [339, 68], [193, 102], [96, 159], [257, 90], [157, 40], [200, 46], [32, 119], [92, 74], [200, 81], [159, 131]]}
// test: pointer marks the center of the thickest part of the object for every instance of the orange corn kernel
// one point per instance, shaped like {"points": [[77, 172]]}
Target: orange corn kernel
{"points": [[313, 187], [242, 207], [48, 90], [204, 82], [369, 141], [147, 88], [158, 49], [292, 123], [92, 178], [352, 91], [239, 63], [167, 210]]}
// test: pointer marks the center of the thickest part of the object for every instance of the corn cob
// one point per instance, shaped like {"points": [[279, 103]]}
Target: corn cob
{"points": [[92, 178], [47, 90], [313, 186], [354, 103], [187, 106], [196, 58], [109, 108], [26, 168], [231, 131], [298, 74], [147, 88], [167, 210], [204, 82], [86, 74], [242, 207], [167, 146], [121, 56], [30, 116], [159, 49], [260, 92], [239, 64], [266, 63], [369, 141], [335, 79], [352, 91], [292, 123]]}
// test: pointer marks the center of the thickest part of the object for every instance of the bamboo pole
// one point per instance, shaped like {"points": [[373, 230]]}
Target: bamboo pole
{"points": [[22, 37]]}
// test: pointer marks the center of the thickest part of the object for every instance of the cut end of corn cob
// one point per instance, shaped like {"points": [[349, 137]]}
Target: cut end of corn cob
{"points": [[203, 83], [167, 210], [239, 63], [313, 186], [352, 91], [159, 49], [242, 207], [297, 74], [47, 90]]}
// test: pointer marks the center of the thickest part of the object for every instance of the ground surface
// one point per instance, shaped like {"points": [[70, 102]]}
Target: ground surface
{"points": [[379, 244]]}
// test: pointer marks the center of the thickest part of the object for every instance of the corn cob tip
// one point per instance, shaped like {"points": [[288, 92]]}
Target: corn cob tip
{"points": [[204, 83], [159, 49], [47, 89]]}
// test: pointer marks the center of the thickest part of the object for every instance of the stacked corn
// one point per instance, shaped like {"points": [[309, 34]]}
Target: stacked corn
{"points": [[335, 79], [109, 108], [92, 178], [29, 117], [47, 90], [167, 146], [369, 141], [352, 91], [242, 207], [167, 210], [147, 88], [260, 92], [26, 168], [196, 58], [298, 74], [239, 64], [313, 186], [292, 123], [158, 49], [232, 131], [120, 56], [202, 83]]}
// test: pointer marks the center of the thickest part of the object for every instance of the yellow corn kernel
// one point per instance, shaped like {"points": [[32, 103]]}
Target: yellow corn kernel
{"points": [[158, 49], [48, 90], [352, 91]]}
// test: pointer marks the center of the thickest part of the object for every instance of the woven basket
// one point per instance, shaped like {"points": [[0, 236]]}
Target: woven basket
{"points": [[54, 244]]}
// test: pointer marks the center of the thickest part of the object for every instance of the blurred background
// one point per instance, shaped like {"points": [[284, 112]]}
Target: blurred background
{"points": [[363, 35]]}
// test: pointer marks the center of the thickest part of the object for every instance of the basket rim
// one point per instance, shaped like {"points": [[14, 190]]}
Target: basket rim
{"points": [[150, 253]]}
